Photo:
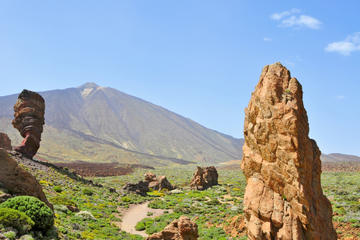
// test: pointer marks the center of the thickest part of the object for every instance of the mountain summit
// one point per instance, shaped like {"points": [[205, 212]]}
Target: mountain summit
{"points": [[95, 123]]}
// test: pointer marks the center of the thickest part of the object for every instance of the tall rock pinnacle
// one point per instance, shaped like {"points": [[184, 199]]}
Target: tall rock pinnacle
{"points": [[29, 120], [283, 197]]}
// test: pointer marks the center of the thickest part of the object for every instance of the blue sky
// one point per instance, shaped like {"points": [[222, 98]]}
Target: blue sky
{"points": [[201, 59]]}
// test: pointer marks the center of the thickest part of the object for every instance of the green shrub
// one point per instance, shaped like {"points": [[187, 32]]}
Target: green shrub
{"points": [[10, 235], [61, 200], [16, 219], [41, 214], [88, 191], [125, 199], [58, 189], [140, 226]]}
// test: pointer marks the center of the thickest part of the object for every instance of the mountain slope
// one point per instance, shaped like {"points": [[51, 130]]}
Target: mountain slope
{"points": [[95, 123], [339, 157]]}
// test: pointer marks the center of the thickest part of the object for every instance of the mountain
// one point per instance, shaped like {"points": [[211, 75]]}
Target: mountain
{"points": [[93, 123], [338, 157]]}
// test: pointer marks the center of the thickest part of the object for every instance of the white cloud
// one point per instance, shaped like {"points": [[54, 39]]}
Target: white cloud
{"points": [[293, 19], [340, 97], [278, 16], [266, 39], [347, 46]]}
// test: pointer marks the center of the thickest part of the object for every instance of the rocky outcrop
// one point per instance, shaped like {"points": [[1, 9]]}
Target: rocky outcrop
{"points": [[5, 141], [180, 229], [29, 120], [204, 178], [17, 180], [149, 177], [157, 183], [150, 182], [283, 197], [140, 188]]}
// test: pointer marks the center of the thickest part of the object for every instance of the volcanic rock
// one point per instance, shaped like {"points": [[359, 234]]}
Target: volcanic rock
{"points": [[180, 229], [283, 197], [151, 181], [235, 227], [140, 188], [29, 120], [17, 180], [5, 141], [149, 177], [204, 178], [157, 183]]}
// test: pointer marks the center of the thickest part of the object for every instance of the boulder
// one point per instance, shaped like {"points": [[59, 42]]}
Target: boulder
{"points": [[180, 229], [160, 183], [151, 181], [29, 119], [140, 188], [149, 177], [204, 178], [17, 180], [283, 197], [5, 141]]}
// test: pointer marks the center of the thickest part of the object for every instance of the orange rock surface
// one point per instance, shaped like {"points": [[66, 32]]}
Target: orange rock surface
{"points": [[283, 197]]}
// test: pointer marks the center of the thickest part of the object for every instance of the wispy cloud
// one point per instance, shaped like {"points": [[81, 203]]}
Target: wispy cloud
{"points": [[267, 39], [347, 46], [279, 16], [340, 97], [292, 18]]}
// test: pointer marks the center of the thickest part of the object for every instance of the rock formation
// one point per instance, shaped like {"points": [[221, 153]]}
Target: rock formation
{"points": [[17, 180], [283, 197], [204, 178], [5, 141], [151, 181], [157, 183], [140, 188], [180, 229], [29, 120]]}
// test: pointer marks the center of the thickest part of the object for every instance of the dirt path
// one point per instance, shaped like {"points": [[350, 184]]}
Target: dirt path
{"points": [[134, 214]]}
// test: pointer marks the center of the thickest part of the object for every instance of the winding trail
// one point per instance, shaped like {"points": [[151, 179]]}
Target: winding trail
{"points": [[134, 214]]}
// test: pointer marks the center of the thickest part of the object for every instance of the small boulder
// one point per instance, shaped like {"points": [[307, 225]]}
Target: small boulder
{"points": [[180, 229], [160, 183], [140, 188], [5, 141], [149, 177], [204, 178], [4, 196], [157, 183], [73, 208]]}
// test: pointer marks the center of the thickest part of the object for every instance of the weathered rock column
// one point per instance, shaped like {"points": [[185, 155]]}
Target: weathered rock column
{"points": [[204, 178], [29, 120], [283, 197]]}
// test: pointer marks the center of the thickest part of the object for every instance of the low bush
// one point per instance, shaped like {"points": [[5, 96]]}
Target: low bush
{"points": [[88, 191], [61, 200], [16, 219], [140, 226], [37, 210], [58, 189]]}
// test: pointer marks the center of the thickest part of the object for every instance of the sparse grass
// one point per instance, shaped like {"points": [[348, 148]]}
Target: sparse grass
{"points": [[210, 209]]}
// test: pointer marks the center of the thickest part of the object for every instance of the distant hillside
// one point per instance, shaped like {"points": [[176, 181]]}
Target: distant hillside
{"points": [[338, 157], [92, 123]]}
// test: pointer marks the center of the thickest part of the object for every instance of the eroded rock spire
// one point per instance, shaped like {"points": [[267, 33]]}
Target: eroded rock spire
{"points": [[29, 113], [283, 197]]}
